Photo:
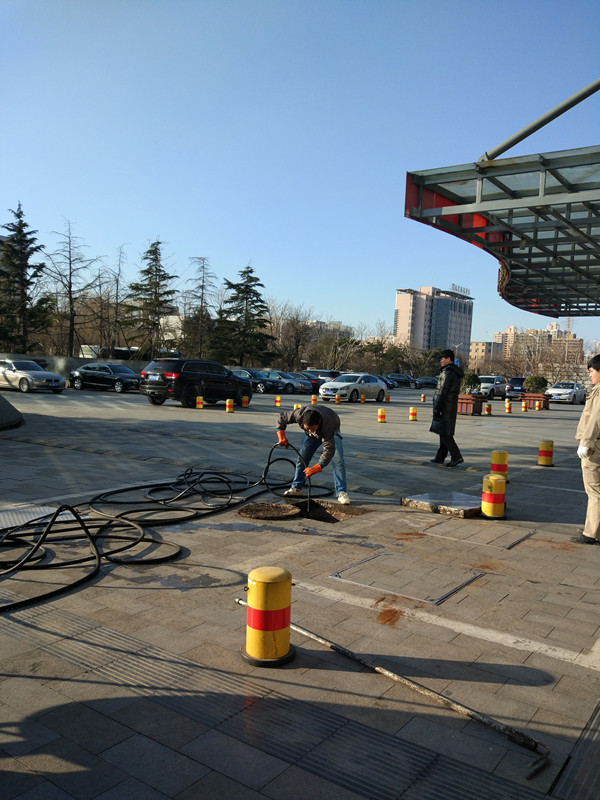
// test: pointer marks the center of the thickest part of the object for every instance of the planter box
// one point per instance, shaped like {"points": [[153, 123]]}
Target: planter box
{"points": [[470, 404], [532, 397]]}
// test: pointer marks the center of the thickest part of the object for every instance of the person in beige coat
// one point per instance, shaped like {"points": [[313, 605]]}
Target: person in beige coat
{"points": [[588, 436]]}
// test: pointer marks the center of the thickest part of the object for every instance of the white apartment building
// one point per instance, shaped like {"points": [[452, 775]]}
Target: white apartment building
{"points": [[430, 317]]}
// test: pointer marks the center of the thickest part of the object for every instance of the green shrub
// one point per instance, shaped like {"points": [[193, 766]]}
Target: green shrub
{"points": [[469, 383], [535, 383]]}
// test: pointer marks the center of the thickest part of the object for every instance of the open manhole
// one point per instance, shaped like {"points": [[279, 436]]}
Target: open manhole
{"points": [[316, 510]]}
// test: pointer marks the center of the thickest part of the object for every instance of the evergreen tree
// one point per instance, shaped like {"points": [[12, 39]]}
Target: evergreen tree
{"points": [[198, 322], [248, 311], [21, 314], [149, 300]]}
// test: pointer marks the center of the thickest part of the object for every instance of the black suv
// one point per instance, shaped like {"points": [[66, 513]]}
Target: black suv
{"points": [[184, 379]]}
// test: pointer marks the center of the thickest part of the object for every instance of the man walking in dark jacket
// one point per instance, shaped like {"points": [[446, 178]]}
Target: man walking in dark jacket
{"points": [[445, 406]]}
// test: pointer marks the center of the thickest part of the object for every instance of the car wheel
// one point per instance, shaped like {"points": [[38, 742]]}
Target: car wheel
{"points": [[353, 396], [154, 400], [119, 386], [380, 396], [239, 398], [413, 385], [572, 400], [260, 387], [491, 395], [24, 385], [77, 383], [56, 391], [289, 388], [190, 394]]}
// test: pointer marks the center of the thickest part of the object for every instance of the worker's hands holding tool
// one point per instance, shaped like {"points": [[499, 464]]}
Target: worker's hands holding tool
{"points": [[283, 442], [310, 471]]}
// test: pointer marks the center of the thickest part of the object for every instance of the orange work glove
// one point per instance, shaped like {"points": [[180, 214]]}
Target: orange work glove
{"points": [[283, 442], [309, 471]]}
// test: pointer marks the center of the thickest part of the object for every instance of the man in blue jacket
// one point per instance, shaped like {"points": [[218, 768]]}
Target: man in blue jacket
{"points": [[321, 426], [445, 409]]}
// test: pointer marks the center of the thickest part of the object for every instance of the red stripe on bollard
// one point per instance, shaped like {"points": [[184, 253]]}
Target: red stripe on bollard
{"points": [[488, 497], [268, 620], [546, 453]]}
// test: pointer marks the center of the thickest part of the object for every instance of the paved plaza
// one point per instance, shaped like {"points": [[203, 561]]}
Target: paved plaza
{"points": [[132, 685]]}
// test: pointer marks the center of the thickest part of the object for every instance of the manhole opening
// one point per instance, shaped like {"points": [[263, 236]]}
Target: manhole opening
{"points": [[316, 510]]}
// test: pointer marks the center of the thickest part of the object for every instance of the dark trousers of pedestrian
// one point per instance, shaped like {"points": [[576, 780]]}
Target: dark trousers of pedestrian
{"points": [[447, 445]]}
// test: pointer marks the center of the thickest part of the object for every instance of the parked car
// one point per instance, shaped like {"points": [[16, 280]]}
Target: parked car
{"points": [[491, 386], [401, 378], [27, 376], [423, 381], [104, 376], [514, 387], [388, 381], [291, 382], [326, 374], [260, 382], [185, 379], [566, 392], [351, 385], [313, 378]]}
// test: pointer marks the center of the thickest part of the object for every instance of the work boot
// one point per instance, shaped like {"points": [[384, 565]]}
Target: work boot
{"points": [[293, 492], [343, 499]]}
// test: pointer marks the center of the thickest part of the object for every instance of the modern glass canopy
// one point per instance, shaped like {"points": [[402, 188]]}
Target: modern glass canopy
{"points": [[539, 215]]}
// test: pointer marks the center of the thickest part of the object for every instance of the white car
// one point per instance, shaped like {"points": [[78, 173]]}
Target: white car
{"points": [[351, 385], [28, 375], [491, 386], [567, 392]]}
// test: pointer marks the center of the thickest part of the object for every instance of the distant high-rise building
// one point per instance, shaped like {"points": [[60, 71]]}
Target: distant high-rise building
{"points": [[431, 317]]}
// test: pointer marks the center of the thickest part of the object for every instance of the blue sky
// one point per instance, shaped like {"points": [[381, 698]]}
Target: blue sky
{"points": [[278, 133]]}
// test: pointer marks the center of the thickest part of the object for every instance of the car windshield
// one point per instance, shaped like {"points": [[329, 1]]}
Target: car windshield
{"points": [[257, 373], [486, 379], [122, 369], [563, 386], [346, 379], [30, 366]]}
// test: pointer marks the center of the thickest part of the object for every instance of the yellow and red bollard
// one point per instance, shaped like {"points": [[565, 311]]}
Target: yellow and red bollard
{"points": [[381, 415], [508, 406], [363, 398], [338, 399], [499, 463], [545, 454], [229, 406], [277, 400], [488, 409], [423, 398], [523, 405], [268, 615], [412, 414], [387, 398], [199, 402], [297, 405], [245, 401], [538, 405], [493, 496], [313, 400]]}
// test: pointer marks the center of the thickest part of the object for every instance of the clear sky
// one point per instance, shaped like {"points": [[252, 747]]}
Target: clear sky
{"points": [[278, 133]]}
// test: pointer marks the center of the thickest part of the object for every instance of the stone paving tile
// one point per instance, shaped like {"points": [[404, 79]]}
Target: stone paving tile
{"points": [[132, 789], [218, 787], [84, 726], [297, 784]]}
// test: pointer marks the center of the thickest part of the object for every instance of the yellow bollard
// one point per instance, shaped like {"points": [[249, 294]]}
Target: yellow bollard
{"points": [[545, 454], [499, 465], [229, 405], [538, 405], [523, 405], [508, 406], [412, 414], [387, 398], [338, 399], [423, 398], [245, 401], [277, 400], [268, 615], [488, 409], [297, 405], [381, 415], [493, 496], [363, 398], [199, 402], [313, 400]]}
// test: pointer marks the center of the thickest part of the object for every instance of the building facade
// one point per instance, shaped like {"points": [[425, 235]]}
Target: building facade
{"points": [[430, 317]]}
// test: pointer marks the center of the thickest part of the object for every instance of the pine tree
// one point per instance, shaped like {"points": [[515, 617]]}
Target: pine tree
{"points": [[21, 314], [246, 308], [150, 299]]}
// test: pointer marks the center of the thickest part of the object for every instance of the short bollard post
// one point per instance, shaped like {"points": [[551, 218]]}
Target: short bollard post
{"points": [[313, 400], [245, 401], [277, 400], [297, 405], [229, 406], [546, 454], [387, 398], [363, 398], [199, 402], [412, 414], [338, 399], [488, 409], [423, 398], [381, 415], [493, 496], [499, 463], [538, 405], [508, 406], [523, 405], [268, 617]]}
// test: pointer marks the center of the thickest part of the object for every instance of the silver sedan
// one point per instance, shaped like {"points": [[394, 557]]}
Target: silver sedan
{"points": [[567, 392], [28, 375], [351, 385]]}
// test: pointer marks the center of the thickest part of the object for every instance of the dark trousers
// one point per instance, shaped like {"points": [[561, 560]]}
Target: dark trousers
{"points": [[447, 445]]}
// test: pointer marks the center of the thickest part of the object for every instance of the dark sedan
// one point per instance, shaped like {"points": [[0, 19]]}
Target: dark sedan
{"points": [[260, 382], [104, 376]]}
